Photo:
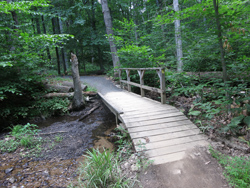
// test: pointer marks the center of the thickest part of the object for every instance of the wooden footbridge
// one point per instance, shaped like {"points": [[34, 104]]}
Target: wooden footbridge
{"points": [[161, 130]]}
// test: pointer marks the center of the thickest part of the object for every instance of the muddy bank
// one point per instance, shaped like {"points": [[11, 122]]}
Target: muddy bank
{"points": [[64, 142]]}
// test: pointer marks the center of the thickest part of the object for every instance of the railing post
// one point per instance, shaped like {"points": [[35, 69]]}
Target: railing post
{"points": [[128, 79], [120, 77], [161, 74], [141, 74]]}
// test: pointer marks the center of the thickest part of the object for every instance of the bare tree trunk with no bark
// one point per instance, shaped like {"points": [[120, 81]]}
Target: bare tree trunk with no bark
{"points": [[78, 100], [178, 40], [108, 24]]}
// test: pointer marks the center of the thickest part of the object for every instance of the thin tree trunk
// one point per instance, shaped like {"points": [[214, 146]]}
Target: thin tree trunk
{"points": [[44, 31], [33, 25], [109, 30], [16, 26], [14, 16], [78, 100], [65, 54], [57, 52], [216, 8], [62, 50], [38, 28], [178, 40]]}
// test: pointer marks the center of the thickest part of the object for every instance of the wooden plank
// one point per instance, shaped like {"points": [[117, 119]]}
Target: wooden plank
{"points": [[175, 148], [146, 114], [162, 131], [167, 158], [166, 136], [154, 122], [139, 111], [147, 118], [172, 142], [149, 112], [158, 126]]}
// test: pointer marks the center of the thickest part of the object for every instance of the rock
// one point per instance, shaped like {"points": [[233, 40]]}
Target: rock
{"points": [[177, 171], [246, 101], [46, 172], [11, 180], [8, 170], [126, 165], [14, 187], [134, 168]]}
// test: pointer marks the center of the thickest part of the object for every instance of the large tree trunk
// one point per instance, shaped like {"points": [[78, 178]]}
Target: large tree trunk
{"points": [[57, 52], [78, 100], [108, 24], [216, 8], [178, 40]]}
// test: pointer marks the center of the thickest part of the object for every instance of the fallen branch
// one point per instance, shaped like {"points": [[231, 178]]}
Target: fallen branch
{"points": [[89, 112], [52, 132]]}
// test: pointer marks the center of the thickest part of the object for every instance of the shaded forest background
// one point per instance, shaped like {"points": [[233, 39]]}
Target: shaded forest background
{"points": [[37, 38]]}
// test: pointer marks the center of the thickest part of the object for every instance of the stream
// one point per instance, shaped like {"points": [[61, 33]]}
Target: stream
{"points": [[65, 140]]}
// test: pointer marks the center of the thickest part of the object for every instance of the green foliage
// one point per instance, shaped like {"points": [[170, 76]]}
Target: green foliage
{"points": [[19, 130], [21, 135], [58, 138], [93, 89], [237, 169], [102, 170], [123, 142]]}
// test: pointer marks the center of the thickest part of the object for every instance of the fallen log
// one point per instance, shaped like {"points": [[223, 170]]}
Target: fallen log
{"points": [[89, 112], [62, 89], [50, 95], [70, 84]]}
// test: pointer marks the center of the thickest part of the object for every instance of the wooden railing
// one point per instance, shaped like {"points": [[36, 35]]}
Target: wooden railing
{"points": [[141, 71]]}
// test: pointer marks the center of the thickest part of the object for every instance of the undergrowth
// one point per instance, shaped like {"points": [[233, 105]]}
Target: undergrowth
{"points": [[102, 170], [236, 169], [21, 136]]}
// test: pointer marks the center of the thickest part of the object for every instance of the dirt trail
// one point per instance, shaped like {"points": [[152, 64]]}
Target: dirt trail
{"points": [[198, 169]]}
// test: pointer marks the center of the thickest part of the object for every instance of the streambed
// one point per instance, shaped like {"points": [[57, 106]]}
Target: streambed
{"points": [[65, 141]]}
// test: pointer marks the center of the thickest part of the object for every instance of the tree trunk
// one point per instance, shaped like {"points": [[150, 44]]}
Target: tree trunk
{"points": [[38, 28], [78, 100], [44, 31], [178, 40], [216, 8], [108, 24], [33, 26], [60, 30], [57, 52]]}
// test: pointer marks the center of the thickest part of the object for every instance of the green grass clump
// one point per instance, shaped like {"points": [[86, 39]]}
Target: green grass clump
{"points": [[237, 169], [20, 135], [89, 88], [102, 170]]}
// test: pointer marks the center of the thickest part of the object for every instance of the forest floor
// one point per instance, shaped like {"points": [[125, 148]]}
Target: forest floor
{"points": [[65, 141]]}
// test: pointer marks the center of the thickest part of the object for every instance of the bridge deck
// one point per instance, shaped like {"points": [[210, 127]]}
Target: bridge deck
{"points": [[162, 131]]}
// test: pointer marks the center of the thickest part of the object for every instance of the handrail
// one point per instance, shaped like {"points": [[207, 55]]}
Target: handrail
{"points": [[141, 71]]}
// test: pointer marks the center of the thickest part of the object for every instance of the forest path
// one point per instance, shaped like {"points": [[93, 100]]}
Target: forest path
{"points": [[175, 145]]}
